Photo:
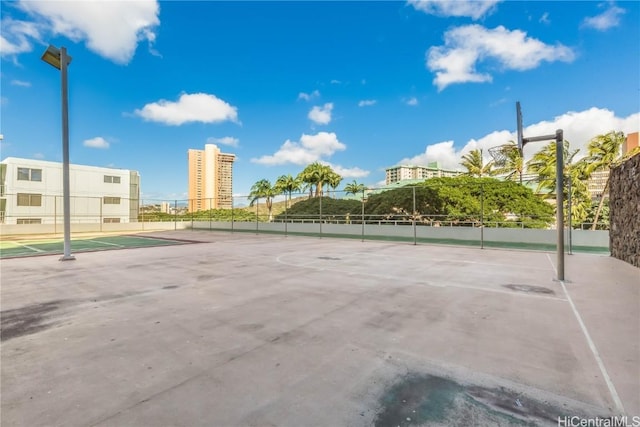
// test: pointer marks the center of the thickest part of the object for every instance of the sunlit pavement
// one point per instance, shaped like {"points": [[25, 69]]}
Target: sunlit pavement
{"points": [[270, 330]]}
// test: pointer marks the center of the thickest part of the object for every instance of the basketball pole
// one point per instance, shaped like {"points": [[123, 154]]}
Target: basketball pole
{"points": [[559, 138], [559, 201]]}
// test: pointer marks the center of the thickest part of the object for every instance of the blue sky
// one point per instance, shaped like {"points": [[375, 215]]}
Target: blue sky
{"points": [[359, 85]]}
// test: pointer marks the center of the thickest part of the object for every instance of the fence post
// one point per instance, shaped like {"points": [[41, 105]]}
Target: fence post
{"points": [[55, 214], [570, 213], [321, 215], [415, 241], [232, 200], [481, 214], [175, 214], [285, 212], [257, 204], [363, 214]]}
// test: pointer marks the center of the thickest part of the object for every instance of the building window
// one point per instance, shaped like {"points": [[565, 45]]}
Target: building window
{"points": [[27, 199], [29, 221], [26, 174], [110, 220], [112, 179], [108, 200]]}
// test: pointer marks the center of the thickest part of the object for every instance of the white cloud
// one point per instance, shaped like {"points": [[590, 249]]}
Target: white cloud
{"points": [[20, 83], [367, 102], [468, 46], [309, 96], [38, 156], [16, 36], [335, 82], [309, 149], [196, 107], [321, 115], [608, 19], [474, 9], [354, 172], [97, 142], [225, 140], [578, 127], [94, 22], [413, 101]]}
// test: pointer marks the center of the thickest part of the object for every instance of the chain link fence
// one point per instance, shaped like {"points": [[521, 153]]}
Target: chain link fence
{"points": [[458, 214]]}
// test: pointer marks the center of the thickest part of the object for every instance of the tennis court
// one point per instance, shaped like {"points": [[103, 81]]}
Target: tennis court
{"points": [[24, 247], [264, 330]]}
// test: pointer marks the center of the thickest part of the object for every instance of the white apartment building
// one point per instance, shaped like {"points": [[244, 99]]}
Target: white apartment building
{"points": [[31, 193], [410, 172]]}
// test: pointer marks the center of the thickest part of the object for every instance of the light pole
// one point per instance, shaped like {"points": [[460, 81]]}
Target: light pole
{"points": [[59, 59]]}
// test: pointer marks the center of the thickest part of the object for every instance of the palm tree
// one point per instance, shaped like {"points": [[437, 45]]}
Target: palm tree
{"points": [[604, 152], [543, 164], [354, 188], [316, 174], [334, 179], [474, 163], [308, 178], [288, 184], [263, 189], [513, 164]]}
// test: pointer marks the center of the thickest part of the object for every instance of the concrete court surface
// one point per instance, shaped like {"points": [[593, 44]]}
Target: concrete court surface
{"points": [[260, 330]]}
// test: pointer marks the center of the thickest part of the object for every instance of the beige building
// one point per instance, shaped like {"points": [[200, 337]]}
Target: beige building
{"points": [[210, 179], [404, 173], [598, 180]]}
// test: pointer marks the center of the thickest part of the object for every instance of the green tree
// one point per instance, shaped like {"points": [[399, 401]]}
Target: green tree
{"points": [[333, 180], [474, 163], [288, 184], [457, 201], [263, 189], [513, 164], [604, 151], [543, 164], [354, 188], [316, 175]]}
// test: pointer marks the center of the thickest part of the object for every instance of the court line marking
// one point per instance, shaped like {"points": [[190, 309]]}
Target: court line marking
{"points": [[30, 247], [592, 346], [106, 243], [354, 254], [496, 264], [423, 283]]}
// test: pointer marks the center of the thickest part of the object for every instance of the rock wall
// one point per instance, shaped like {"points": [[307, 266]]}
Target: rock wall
{"points": [[624, 214]]}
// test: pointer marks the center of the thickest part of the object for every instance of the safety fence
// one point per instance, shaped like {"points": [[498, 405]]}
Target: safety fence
{"points": [[476, 216]]}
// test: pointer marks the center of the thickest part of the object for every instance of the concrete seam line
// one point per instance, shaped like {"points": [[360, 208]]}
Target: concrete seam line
{"points": [[594, 350]]}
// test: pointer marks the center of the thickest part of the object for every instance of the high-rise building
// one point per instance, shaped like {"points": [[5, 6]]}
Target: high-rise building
{"points": [[31, 193], [210, 179], [630, 142], [404, 172]]}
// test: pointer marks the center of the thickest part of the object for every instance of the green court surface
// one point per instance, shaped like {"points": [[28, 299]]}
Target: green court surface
{"points": [[26, 247]]}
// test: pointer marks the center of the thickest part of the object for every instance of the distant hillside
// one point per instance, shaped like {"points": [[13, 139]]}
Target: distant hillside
{"points": [[278, 207]]}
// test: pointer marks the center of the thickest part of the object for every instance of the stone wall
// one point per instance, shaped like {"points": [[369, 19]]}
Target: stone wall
{"points": [[624, 203]]}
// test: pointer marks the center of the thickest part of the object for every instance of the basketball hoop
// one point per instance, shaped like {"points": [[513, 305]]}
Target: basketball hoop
{"points": [[500, 153]]}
